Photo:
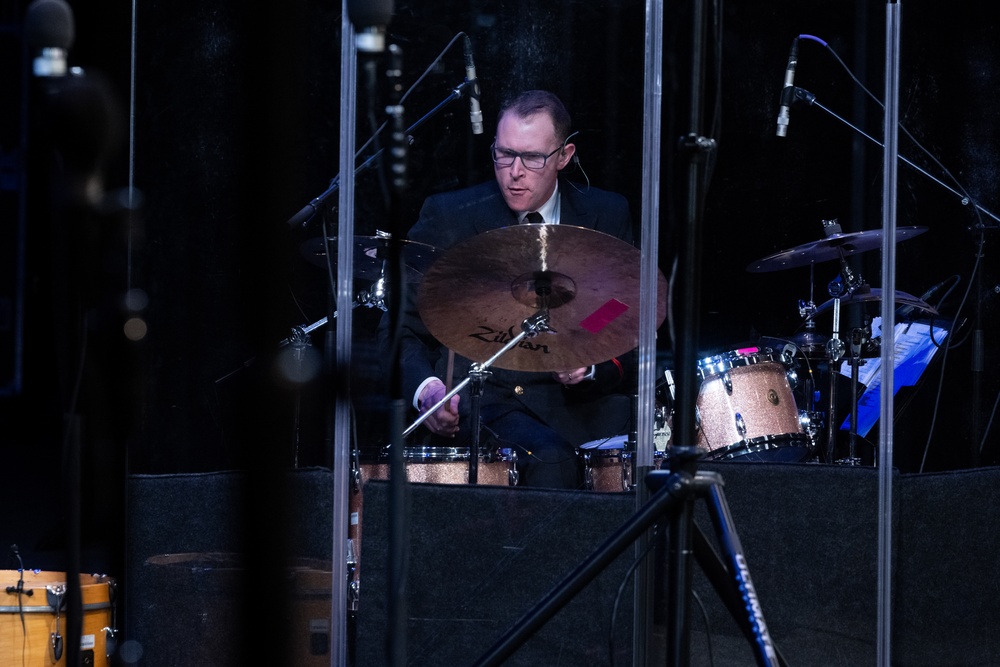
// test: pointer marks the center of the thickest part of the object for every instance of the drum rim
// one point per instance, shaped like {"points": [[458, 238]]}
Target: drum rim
{"points": [[436, 453], [448, 455], [720, 363], [602, 443], [759, 444]]}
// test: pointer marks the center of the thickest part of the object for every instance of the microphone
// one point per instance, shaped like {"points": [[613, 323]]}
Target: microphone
{"points": [[788, 91], [475, 113], [370, 17], [49, 30]]}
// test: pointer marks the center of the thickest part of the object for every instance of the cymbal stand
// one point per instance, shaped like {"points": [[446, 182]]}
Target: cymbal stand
{"points": [[806, 310], [299, 341], [537, 323], [857, 341], [846, 283], [374, 297], [834, 351]]}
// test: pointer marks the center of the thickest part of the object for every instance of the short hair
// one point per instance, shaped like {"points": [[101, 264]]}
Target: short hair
{"points": [[530, 102]]}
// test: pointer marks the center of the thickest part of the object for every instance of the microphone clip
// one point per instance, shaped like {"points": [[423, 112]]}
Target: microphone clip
{"points": [[693, 143]]}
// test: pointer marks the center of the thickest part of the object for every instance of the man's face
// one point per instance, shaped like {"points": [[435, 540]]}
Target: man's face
{"points": [[527, 189]]}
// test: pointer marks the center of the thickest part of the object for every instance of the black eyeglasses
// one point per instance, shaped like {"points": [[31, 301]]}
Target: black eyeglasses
{"points": [[504, 158]]}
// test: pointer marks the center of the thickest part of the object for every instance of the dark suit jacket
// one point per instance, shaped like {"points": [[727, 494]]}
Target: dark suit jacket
{"points": [[577, 411]]}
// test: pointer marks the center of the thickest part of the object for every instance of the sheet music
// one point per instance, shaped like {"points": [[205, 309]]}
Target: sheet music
{"points": [[912, 353]]}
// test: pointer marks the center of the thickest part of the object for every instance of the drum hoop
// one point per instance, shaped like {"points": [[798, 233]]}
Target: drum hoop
{"points": [[727, 361], [449, 455], [435, 454], [49, 609], [756, 445], [612, 442]]}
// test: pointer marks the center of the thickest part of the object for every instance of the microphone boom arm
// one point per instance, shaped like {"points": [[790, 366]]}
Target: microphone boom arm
{"points": [[810, 99], [302, 218]]}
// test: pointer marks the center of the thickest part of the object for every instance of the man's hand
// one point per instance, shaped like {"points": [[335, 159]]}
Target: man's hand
{"points": [[445, 420], [575, 376]]}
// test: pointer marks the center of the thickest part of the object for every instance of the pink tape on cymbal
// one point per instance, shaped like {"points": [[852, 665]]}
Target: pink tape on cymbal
{"points": [[603, 316]]}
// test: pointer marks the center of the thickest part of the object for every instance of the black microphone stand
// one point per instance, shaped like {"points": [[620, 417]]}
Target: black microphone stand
{"points": [[302, 218], [803, 95]]}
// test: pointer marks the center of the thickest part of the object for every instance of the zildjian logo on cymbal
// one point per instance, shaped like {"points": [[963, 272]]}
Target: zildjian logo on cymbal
{"points": [[488, 335]]}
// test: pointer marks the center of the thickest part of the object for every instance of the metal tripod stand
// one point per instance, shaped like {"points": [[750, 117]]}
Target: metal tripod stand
{"points": [[674, 491]]}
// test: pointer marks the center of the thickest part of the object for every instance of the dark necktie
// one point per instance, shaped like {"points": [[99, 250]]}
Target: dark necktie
{"points": [[534, 218]]}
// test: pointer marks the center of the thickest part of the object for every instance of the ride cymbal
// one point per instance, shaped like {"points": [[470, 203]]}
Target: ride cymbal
{"points": [[834, 246], [370, 253], [476, 297]]}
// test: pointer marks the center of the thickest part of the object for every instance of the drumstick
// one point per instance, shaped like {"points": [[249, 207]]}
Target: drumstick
{"points": [[450, 372]]}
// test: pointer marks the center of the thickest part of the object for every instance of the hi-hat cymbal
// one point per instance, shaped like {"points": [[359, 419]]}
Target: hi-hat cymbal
{"points": [[476, 296], [370, 253], [834, 246], [809, 340], [875, 294]]}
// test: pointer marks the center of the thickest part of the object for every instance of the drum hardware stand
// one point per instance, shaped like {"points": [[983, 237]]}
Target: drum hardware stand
{"points": [[672, 490], [353, 585], [532, 326], [808, 308], [845, 284], [299, 340], [855, 361], [860, 340], [834, 351], [374, 297]]}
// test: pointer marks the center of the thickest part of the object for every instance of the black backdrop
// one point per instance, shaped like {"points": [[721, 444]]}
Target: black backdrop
{"points": [[236, 115], [237, 126]]}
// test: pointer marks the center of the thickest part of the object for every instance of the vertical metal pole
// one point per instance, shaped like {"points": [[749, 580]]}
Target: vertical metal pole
{"points": [[643, 410], [399, 486], [341, 373], [888, 306], [687, 291]]}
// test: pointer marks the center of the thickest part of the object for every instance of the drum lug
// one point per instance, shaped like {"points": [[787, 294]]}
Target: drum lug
{"points": [[727, 382], [741, 426], [588, 473], [55, 595], [793, 378], [57, 646], [110, 641], [513, 476], [111, 632], [627, 471]]}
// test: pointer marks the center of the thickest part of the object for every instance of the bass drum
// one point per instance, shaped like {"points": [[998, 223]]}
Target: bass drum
{"points": [[34, 614], [424, 465], [746, 410]]}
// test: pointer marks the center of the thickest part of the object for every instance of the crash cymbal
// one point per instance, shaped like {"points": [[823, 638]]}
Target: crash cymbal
{"points": [[875, 294], [369, 253], [834, 246], [476, 296]]}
